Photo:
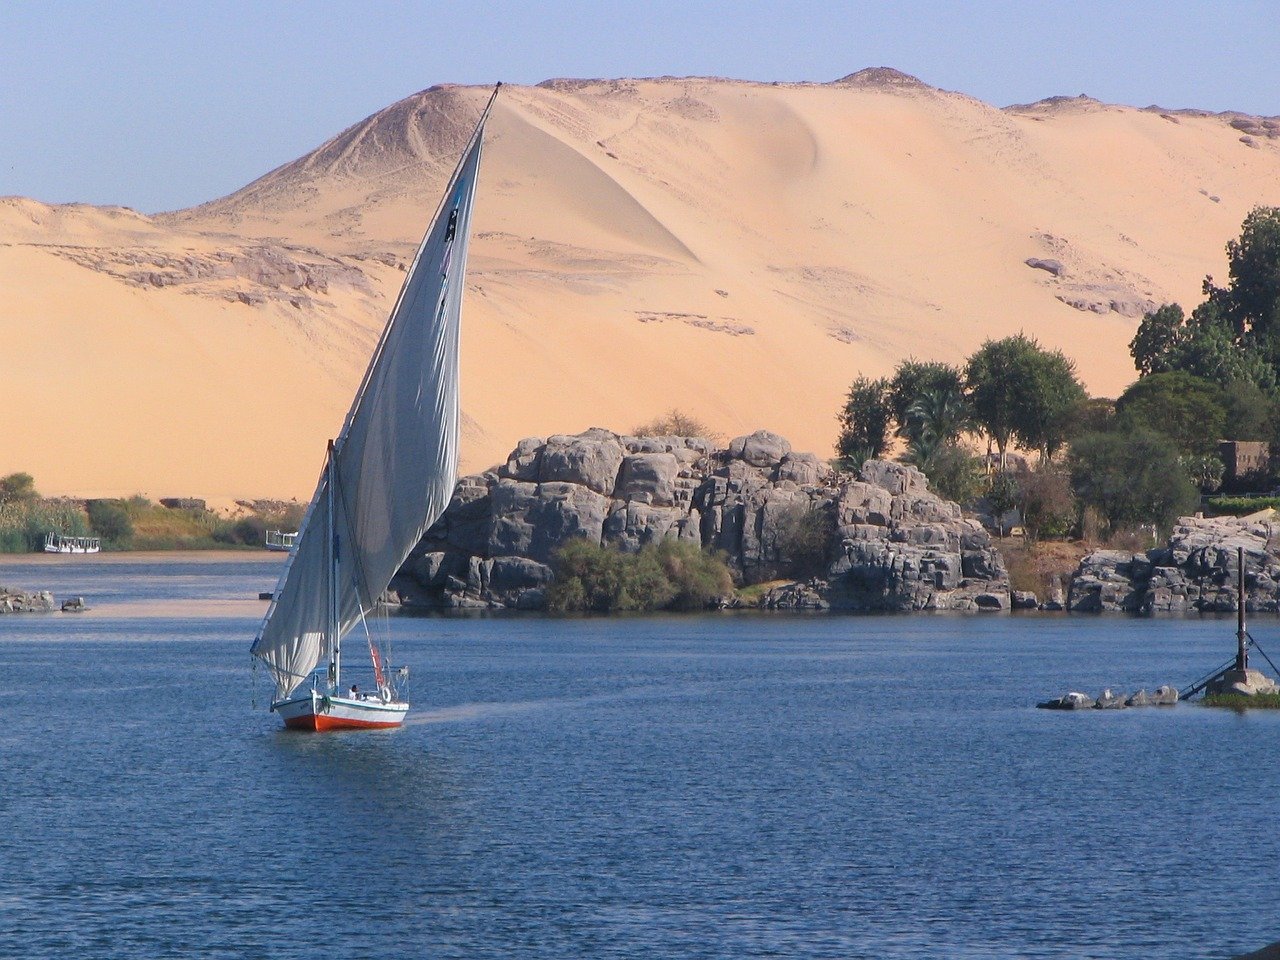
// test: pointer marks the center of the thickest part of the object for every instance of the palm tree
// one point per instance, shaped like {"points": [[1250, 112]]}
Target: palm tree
{"points": [[936, 418]]}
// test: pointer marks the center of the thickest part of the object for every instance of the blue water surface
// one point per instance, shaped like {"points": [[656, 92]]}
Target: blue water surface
{"points": [[725, 786]]}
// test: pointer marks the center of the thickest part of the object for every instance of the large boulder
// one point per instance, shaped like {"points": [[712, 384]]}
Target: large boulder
{"points": [[897, 478], [760, 449], [534, 520], [589, 459], [525, 460], [648, 478]]}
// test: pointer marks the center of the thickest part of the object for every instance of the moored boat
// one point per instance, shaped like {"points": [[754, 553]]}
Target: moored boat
{"points": [[279, 540], [388, 475]]}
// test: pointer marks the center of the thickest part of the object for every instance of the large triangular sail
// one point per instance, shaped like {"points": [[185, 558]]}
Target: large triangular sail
{"points": [[393, 467]]}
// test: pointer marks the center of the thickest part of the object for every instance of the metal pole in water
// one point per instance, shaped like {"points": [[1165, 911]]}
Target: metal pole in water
{"points": [[1242, 651]]}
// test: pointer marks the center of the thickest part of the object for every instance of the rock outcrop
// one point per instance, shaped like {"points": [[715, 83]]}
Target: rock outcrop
{"points": [[892, 544], [1195, 571], [20, 601]]}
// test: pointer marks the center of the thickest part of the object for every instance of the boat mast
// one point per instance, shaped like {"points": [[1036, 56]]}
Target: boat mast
{"points": [[335, 638]]}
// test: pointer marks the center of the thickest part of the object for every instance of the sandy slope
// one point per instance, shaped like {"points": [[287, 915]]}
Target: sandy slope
{"points": [[738, 250]]}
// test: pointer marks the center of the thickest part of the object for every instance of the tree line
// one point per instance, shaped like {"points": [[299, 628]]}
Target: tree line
{"points": [[1141, 459]]}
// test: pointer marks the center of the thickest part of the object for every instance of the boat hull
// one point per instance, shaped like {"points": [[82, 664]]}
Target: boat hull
{"points": [[317, 712]]}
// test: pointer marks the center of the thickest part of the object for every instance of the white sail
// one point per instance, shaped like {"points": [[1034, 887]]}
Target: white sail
{"points": [[394, 465]]}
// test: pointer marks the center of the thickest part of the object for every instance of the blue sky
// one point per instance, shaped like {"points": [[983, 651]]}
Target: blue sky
{"points": [[161, 105]]}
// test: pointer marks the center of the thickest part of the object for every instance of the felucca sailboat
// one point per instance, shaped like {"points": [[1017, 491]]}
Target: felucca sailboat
{"points": [[387, 477]]}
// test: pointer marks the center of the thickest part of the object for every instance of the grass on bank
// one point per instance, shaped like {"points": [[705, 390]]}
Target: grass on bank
{"points": [[1042, 567], [1238, 701]]}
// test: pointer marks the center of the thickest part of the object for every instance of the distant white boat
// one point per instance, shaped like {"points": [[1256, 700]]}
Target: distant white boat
{"points": [[57, 543], [388, 476], [279, 540]]}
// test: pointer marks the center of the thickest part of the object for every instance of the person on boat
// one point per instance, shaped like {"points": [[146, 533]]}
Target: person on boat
{"points": [[355, 691]]}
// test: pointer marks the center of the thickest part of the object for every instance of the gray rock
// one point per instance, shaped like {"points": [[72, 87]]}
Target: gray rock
{"points": [[897, 478], [803, 469], [648, 478], [1070, 701], [634, 525], [760, 449], [535, 520], [1196, 570], [1024, 600], [589, 459], [1110, 701], [1052, 266], [525, 460]]}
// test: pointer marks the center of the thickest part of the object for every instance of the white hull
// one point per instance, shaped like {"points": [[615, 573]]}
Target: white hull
{"points": [[56, 543], [315, 711]]}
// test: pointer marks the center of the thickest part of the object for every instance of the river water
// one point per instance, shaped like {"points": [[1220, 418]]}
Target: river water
{"points": [[720, 786]]}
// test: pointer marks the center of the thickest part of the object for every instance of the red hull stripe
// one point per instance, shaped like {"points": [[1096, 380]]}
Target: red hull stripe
{"points": [[320, 721]]}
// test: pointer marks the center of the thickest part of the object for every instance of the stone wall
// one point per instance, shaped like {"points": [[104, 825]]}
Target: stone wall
{"points": [[894, 546]]}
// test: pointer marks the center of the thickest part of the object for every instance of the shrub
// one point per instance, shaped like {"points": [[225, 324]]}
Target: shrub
{"points": [[804, 539], [954, 473], [110, 520], [1048, 505], [674, 423], [666, 576]]}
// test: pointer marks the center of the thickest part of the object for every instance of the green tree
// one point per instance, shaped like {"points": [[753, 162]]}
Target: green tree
{"points": [[1250, 412], [1251, 299], [1158, 335], [989, 376], [912, 381], [18, 488], [864, 422], [1017, 388], [1048, 398], [1234, 335], [1204, 470], [1188, 410], [1130, 477]]}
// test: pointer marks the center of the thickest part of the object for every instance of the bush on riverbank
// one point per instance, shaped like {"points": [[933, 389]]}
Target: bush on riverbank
{"points": [[666, 576], [1241, 506]]}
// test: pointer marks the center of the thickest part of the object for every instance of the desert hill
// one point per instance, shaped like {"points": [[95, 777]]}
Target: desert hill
{"points": [[739, 250]]}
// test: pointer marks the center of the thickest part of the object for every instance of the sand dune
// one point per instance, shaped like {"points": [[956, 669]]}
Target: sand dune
{"points": [[739, 250]]}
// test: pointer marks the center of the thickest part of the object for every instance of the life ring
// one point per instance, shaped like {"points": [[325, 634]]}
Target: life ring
{"points": [[384, 693]]}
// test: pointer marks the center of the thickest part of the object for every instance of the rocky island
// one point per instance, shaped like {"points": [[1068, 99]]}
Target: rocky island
{"points": [[891, 543], [1195, 571]]}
